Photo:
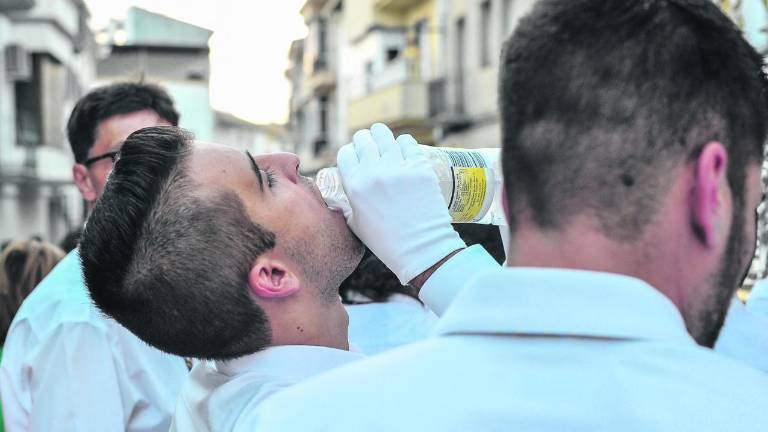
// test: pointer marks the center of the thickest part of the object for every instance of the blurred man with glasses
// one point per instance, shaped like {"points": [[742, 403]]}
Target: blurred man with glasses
{"points": [[65, 366]]}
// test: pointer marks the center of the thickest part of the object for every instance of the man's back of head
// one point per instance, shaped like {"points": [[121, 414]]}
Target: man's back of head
{"points": [[619, 121], [600, 99]]}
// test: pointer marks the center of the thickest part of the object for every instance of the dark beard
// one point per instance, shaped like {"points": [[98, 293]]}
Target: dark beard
{"points": [[706, 325]]}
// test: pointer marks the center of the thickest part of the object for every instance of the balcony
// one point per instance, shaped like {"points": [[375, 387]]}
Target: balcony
{"points": [[322, 81], [396, 6], [403, 106], [16, 5], [446, 105], [311, 7]]}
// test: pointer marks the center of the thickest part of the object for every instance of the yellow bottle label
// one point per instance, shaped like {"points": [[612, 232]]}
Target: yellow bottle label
{"points": [[469, 189]]}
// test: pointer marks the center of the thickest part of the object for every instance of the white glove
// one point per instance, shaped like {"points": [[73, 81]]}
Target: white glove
{"points": [[398, 210]]}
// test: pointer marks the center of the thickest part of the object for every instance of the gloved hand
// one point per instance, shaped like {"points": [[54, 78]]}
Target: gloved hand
{"points": [[398, 210]]}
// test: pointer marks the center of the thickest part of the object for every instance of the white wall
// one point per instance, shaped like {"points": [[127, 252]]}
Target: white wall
{"points": [[7, 115], [25, 209], [345, 69], [193, 103]]}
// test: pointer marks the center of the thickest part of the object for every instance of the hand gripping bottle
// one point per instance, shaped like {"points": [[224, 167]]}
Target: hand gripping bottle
{"points": [[470, 181]]}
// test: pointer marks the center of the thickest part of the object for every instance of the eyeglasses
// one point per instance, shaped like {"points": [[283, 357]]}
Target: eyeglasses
{"points": [[108, 155]]}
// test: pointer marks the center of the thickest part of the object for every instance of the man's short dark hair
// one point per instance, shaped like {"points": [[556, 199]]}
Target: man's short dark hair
{"points": [[600, 100], [170, 261], [107, 101]]}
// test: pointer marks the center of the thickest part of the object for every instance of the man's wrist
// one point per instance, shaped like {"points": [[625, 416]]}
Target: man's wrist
{"points": [[422, 278]]}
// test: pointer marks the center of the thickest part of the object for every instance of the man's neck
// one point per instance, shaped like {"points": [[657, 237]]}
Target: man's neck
{"points": [[583, 246]]}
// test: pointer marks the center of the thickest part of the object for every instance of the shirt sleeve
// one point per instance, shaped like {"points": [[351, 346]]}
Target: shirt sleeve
{"points": [[75, 384], [447, 281]]}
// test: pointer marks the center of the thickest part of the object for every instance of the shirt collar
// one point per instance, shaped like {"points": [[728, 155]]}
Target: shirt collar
{"points": [[562, 302], [297, 361]]}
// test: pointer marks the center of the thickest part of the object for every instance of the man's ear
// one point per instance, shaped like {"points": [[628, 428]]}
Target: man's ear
{"points": [[710, 192], [83, 182], [270, 277]]}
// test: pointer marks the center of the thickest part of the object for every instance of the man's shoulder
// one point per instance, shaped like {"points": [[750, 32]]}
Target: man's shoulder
{"points": [[388, 370], [60, 298], [220, 401], [486, 376], [59, 304]]}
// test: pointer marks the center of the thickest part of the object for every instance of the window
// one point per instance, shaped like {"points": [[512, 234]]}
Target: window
{"points": [[392, 54], [460, 37], [323, 107], [29, 109], [322, 42], [368, 76], [507, 14], [485, 33]]}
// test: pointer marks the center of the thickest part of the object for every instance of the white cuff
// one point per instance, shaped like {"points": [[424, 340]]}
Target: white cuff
{"points": [[448, 280]]}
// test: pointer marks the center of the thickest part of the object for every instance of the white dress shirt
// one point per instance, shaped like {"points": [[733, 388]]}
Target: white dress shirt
{"points": [[537, 350], [758, 299], [378, 327], [223, 396], [67, 368], [745, 335], [219, 396]]}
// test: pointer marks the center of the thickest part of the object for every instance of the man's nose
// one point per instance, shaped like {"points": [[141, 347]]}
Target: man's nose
{"points": [[286, 163]]}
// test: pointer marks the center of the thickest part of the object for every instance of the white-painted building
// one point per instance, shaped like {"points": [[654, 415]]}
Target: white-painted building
{"points": [[317, 108], [475, 31], [46, 64], [244, 135], [155, 48]]}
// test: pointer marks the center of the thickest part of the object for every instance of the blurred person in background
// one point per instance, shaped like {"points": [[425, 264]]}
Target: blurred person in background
{"points": [[23, 264], [65, 366], [70, 241], [383, 313], [633, 136], [209, 252]]}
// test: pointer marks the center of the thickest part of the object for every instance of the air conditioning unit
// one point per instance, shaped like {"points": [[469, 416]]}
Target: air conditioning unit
{"points": [[18, 63]]}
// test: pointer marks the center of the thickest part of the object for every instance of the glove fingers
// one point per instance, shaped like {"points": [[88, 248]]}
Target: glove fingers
{"points": [[346, 159], [365, 146], [385, 140], [409, 147]]}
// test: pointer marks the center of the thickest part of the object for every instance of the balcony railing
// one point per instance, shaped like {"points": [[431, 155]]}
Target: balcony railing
{"points": [[446, 104]]}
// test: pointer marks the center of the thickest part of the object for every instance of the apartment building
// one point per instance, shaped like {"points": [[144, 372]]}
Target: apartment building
{"points": [[424, 67], [475, 30], [155, 48], [395, 51], [47, 62], [244, 135], [316, 117]]}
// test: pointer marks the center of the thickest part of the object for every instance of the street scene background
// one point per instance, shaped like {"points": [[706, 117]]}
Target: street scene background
{"points": [[294, 75]]}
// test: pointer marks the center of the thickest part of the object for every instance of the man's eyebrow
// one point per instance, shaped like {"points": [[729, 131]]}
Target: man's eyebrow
{"points": [[256, 169]]}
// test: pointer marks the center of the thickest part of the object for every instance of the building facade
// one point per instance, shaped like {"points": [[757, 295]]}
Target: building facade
{"points": [[154, 48], [47, 62], [424, 67], [317, 114], [243, 135]]}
